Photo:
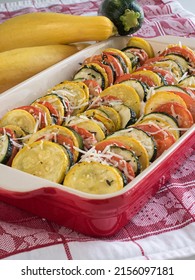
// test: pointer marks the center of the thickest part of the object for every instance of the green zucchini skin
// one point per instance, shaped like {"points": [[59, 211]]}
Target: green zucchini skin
{"points": [[127, 15], [5, 148]]}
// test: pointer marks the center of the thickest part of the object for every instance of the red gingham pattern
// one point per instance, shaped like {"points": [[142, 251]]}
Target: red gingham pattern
{"points": [[173, 207]]}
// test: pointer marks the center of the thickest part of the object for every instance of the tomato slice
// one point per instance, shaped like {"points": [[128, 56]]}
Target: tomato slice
{"points": [[94, 88], [163, 138], [153, 59], [37, 113], [182, 114], [108, 70], [140, 53], [88, 138], [166, 75], [53, 112], [110, 59], [122, 165], [14, 141], [191, 91], [184, 51], [142, 78], [189, 100], [93, 58]]}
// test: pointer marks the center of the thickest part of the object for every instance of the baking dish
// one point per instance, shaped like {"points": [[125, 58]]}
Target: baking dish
{"points": [[94, 215]]}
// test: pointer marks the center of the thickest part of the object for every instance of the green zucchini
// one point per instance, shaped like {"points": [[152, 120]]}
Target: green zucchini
{"points": [[127, 115], [184, 64], [143, 137], [127, 15], [167, 118], [133, 58], [128, 156], [92, 71], [139, 87], [5, 148], [170, 65], [170, 88]]}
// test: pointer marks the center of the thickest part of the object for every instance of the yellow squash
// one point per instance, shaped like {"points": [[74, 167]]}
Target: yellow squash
{"points": [[20, 64], [44, 28]]}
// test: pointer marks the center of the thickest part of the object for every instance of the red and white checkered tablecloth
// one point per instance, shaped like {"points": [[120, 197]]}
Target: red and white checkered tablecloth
{"points": [[164, 228]]}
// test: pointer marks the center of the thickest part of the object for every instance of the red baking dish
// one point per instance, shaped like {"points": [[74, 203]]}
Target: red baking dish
{"points": [[94, 215]]}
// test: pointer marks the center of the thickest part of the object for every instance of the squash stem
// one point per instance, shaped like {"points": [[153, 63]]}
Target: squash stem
{"points": [[129, 19]]}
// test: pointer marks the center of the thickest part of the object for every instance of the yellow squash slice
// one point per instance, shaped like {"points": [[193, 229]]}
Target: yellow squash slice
{"points": [[20, 118], [56, 129], [99, 115], [43, 159], [75, 94], [123, 55], [162, 97], [113, 115], [150, 74], [126, 94], [142, 44], [94, 177]]}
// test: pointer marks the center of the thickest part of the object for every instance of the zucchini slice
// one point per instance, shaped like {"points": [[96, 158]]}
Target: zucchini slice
{"points": [[101, 116], [133, 58], [20, 118], [128, 156], [5, 148], [167, 118], [113, 115], [143, 137], [139, 86], [44, 159], [170, 88], [94, 177], [188, 82], [136, 147], [170, 65], [127, 115], [127, 94], [184, 64], [92, 71], [163, 138]]}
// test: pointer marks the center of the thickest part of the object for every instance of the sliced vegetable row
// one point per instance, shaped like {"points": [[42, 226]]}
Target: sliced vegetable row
{"points": [[119, 113]]}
